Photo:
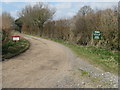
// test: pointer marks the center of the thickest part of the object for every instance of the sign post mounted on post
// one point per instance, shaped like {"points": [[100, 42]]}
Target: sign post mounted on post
{"points": [[15, 38], [97, 35]]}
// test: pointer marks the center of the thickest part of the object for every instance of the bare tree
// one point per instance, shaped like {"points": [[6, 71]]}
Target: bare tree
{"points": [[36, 16], [85, 10]]}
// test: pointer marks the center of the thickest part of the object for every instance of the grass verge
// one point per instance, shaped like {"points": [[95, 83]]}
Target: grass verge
{"points": [[105, 59], [11, 49]]}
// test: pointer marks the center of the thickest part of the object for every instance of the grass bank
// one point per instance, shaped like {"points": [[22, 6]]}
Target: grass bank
{"points": [[11, 49], [105, 59]]}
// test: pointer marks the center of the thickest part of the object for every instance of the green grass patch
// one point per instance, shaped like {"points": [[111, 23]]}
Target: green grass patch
{"points": [[83, 73], [11, 49]]}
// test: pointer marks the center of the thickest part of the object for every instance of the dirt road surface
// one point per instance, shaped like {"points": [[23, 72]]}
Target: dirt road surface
{"points": [[48, 64]]}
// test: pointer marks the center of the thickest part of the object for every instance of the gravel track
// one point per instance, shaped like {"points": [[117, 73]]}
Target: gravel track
{"points": [[48, 64]]}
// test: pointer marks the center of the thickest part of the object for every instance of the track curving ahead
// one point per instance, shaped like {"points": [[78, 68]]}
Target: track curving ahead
{"points": [[48, 64]]}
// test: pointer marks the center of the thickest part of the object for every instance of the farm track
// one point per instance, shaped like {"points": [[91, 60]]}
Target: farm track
{"points": [[48, 64]]}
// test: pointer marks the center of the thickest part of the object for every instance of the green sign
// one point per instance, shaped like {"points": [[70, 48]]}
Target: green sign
{"points": [[97, 35]]}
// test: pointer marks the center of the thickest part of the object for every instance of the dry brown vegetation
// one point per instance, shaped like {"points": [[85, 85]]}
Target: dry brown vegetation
{"points": [[7, 24], [38, 20], [34, 17], [79, 29]]}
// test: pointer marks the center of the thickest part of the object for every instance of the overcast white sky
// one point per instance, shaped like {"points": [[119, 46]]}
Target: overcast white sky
{"points": [[60, 0], [64, 8]]}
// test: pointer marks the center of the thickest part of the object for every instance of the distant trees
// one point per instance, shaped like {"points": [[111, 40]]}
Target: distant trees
{"points": [[79, 29], [81, 25], [34, 17], [85, 10], [59, 29], [19, 24], [37, 19], [7, 26], [109, 27], [86, 21]]}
